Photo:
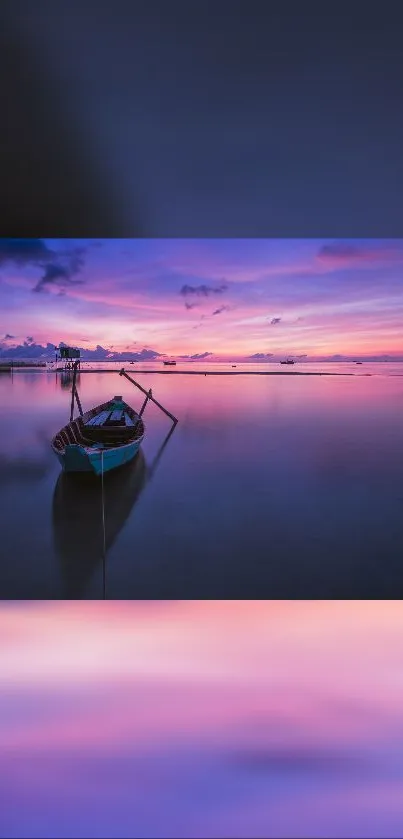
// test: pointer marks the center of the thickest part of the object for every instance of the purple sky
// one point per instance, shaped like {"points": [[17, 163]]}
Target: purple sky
{"points": [[215, 299]]}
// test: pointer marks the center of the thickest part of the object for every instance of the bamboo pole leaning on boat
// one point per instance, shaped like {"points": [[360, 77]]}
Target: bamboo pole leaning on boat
{"points": [[149, 396]]}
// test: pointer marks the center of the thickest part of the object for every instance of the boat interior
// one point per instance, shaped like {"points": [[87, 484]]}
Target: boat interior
{"points": [[116, 416], [112, 426]]}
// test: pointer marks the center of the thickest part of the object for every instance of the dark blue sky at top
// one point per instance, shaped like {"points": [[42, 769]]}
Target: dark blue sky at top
{"points": [[207, 119]]}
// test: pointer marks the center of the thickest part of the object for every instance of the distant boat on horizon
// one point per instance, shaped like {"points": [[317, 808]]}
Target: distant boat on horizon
{"points": [[288, 361], [170, 363]]}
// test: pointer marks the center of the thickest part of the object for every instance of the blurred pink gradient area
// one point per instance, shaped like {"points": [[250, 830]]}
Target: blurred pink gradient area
{"points": [[201, 718]]}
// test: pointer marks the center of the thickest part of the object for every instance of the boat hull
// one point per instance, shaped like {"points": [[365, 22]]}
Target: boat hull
{"points": [[76, 458], [78, 451]]}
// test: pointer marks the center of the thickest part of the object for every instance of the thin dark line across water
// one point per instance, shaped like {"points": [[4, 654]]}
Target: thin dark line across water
{"points": [[224, 372]]}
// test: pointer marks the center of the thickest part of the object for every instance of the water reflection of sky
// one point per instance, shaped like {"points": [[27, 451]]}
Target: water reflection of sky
{"points": [[266, 718], [270, 486]]}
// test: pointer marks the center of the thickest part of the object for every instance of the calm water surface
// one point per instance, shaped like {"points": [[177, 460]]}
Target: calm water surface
{"points": [[270, 487]]}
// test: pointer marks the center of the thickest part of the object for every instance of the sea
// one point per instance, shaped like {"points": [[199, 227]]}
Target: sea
{"points": [[271, 486]]}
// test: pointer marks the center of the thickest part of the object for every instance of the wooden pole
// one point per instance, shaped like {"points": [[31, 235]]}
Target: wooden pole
{"points": [[148, 395], [78, 402], [72, 402], [74, 394], [144, 405]]}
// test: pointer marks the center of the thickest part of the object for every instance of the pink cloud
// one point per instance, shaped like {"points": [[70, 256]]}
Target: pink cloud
{"points": [[348, 254]]}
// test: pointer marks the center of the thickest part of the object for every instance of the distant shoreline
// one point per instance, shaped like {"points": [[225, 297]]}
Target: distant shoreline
{"points": [[198, 372], [227, 373]]}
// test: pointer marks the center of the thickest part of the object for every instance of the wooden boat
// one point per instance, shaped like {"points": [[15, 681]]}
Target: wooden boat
{"points": [[102, 439], [81, 541]]}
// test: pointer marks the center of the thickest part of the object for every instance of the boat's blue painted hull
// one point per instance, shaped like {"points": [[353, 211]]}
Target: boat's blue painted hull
{"points": [[96, 460]]}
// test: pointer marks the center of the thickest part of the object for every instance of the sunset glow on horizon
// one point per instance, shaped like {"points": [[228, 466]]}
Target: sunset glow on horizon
{"points": [[258, 718], [251, 299]]}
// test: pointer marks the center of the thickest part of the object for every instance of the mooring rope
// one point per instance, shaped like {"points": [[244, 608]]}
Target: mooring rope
{"points": [[103, 525]]}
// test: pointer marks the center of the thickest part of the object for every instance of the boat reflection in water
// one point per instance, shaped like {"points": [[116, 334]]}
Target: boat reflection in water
{"points": [[80, 510]]}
